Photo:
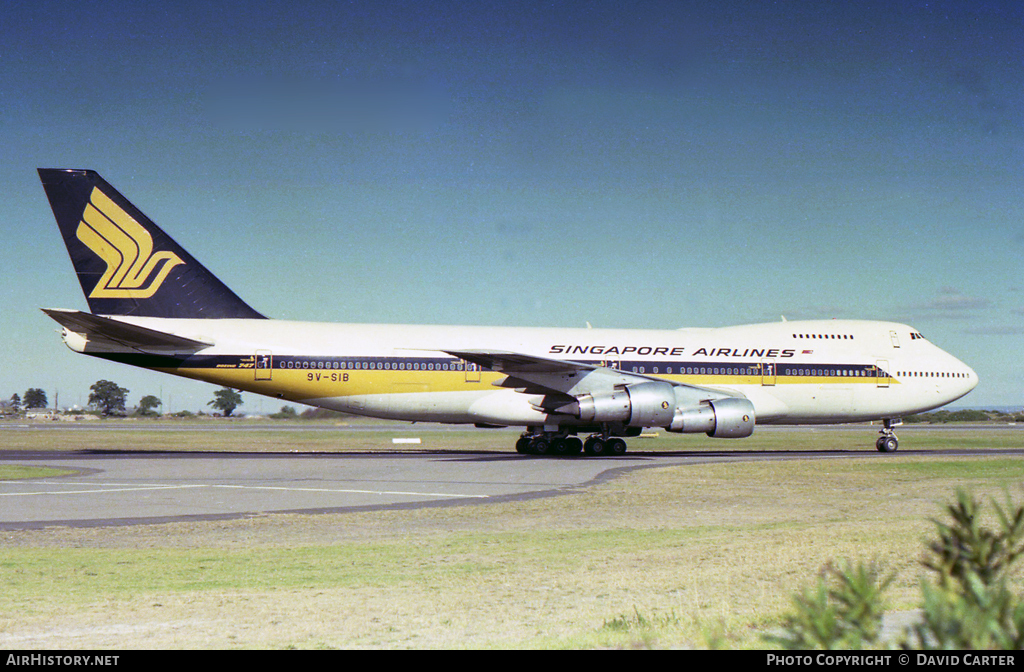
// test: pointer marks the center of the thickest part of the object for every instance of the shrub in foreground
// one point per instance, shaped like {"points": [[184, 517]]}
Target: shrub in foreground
{"points": [[967, 602]]}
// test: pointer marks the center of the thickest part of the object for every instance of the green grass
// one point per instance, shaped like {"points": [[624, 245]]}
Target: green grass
{"points": [[1003, 472], [243, 436], [700, 555], [10, 472]]}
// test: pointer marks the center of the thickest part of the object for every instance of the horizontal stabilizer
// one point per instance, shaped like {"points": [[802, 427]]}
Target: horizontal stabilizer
{"points": [[95, 327]]}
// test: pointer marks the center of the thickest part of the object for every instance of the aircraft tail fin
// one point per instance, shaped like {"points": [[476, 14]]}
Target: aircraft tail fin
{"points": [[125, 263]]}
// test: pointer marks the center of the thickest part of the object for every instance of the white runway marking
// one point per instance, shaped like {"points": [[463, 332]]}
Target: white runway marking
{"points": [[101, 488], [358, 492], [98, 488]]}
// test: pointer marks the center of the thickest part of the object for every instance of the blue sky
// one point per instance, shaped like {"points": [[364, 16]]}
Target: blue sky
{"points": [[649, 164]]}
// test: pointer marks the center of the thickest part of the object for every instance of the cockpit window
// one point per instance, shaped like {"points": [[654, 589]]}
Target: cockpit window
{"points": [[914, 336]]}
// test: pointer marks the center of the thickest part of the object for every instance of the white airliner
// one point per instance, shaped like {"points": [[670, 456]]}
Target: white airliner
{"points": [[154, 306]]}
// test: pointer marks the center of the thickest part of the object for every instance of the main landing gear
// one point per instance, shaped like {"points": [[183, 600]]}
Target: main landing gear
{"points": [[547, 443], [887, 442]]}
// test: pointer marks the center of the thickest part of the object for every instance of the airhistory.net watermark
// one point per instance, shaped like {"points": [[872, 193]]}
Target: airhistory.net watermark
{"points": [[59, 660]]}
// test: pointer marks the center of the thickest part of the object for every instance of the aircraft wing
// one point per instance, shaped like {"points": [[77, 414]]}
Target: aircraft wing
{"points": [[514, 362], [541, 375], [97, 328]]}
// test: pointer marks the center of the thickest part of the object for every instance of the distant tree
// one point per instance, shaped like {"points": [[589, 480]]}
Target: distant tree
{"points": [[148, 405], [286, 413], [16, 401], [35, 398], [107, 397], [323, 414], [968, 416], [226, 401]]}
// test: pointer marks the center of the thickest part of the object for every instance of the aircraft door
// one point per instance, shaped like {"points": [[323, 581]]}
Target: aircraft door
{"points": [[882, 373], [768, 372], [264, 365], [472, 372]]}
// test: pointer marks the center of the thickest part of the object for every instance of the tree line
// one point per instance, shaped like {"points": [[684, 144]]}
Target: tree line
{"points": [[964, 415], [110, 399]]}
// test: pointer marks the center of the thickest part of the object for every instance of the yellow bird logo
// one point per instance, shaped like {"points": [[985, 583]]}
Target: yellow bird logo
{"points": [[134, 271]]}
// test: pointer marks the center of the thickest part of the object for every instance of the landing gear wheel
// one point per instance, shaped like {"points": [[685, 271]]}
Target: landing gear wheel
{"points": [[548, 443], [595, 445], [887, 444], [540, 445], [616, 446], [559, 446]]}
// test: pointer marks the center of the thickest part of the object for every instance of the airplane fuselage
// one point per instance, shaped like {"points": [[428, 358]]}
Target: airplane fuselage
{"points": [[802, 372]]}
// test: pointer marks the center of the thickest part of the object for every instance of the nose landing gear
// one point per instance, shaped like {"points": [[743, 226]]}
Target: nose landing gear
{"points": [[887, 442]]}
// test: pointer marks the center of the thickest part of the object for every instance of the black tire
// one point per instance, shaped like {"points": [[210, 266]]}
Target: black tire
{"points": [[573, 446], [616, 447], [887, 444], [540, 445], [523, 445], [595, 446]]}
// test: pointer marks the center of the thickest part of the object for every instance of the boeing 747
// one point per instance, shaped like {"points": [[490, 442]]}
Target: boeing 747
{"points": [[152, 305]]}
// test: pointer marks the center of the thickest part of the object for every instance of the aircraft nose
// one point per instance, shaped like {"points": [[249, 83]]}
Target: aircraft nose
{"points": [[970, 381], [972, 378]]}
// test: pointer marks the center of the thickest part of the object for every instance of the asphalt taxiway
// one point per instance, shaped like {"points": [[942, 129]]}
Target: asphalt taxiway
{"points": [[123, 488], [128, 488]]}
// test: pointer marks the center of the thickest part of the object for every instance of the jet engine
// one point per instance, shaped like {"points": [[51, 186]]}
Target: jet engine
{"points": [[728, 418], [640, 405], [655, 404]]}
